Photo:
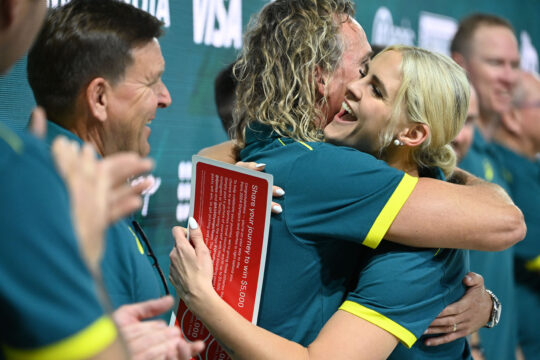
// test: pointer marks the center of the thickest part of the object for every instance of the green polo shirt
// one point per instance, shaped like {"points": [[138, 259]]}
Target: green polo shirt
{"points": [[126, 269], [48, 301], [336, 200], [497, 268], [524, 180], [403, 289]]}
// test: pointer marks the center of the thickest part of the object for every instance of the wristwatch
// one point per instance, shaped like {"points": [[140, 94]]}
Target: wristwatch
{"points": [[495, 311]]}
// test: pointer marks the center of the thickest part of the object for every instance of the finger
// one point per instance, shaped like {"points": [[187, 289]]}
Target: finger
{"points": [[150, 308], [122, 166], [196, 237], [439, 340], [444, 321], [138, 329], [155, 344], [276, 208], [38, 122], [188, 350], [277, 191], [251, 165], [473, 279]]}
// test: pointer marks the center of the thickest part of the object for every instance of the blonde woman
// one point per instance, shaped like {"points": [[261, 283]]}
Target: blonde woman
{"points": [[405, 110]]}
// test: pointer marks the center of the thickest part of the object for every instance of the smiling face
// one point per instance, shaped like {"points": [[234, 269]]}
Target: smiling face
{"points": [[368, 105], [135, 99], [354, 60], [493, 67]]}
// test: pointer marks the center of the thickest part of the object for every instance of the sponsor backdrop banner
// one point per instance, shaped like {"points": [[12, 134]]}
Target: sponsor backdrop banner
{"points": [[202, 36]]}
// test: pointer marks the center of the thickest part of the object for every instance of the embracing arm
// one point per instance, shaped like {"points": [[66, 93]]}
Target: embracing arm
{"points": [[345, 336], [477, 215], [226, 152]]}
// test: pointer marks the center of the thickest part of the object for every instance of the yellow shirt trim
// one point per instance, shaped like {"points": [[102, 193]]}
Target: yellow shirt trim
{"points": [[534, 264], [86, 343], [139, 245], [301, 142], [11, 139], [390, 211], [406, 337]]}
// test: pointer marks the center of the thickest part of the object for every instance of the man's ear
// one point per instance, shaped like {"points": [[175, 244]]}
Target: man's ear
{"points": [[320, 80], [8, 9], [97, 97], [460, 60], [511, 121], [414, 135]]}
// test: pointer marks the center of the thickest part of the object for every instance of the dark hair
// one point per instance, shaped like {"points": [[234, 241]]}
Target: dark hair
{"points": [[83, 40], [461, 43], [224, 94]]}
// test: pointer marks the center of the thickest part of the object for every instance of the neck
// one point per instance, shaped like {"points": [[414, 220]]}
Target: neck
{"points": [[401, 159], [487, 124], [517, 144], [88, 130]]}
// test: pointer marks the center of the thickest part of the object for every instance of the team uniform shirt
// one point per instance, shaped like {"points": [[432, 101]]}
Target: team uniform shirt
{"points": [[524, 180], [336, 200], [48, 300], [127, 272], [403, 289], [497, 268]]}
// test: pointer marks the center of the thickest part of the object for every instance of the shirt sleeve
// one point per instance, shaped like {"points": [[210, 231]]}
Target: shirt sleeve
{"points": [[402, 289], [48, 299], [340, 193]]}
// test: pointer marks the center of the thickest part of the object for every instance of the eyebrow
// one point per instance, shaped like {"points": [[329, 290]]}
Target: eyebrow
{"points": [[380, 84]]}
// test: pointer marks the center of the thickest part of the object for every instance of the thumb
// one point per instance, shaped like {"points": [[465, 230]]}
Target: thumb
{"points": [[195, 234]]}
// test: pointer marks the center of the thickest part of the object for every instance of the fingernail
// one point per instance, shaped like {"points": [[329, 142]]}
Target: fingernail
{"points": [[428, 343], [193, 224], [468, 278], [260, 165], [277, 209], [280, 192]]}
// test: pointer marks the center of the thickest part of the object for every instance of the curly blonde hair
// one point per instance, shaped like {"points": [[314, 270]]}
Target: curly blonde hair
{"points": [[276, 68], [434, 91]]}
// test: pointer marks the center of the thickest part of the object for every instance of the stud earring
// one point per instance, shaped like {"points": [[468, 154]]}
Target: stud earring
{"points": [[398, 142]]}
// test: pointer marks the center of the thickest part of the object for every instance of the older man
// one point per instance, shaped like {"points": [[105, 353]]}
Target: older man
{"points": [[517, 141], [96, 69], [486, 47]]}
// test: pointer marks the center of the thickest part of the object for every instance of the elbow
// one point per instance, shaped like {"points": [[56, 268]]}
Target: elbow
{"points": [[515, 229]]}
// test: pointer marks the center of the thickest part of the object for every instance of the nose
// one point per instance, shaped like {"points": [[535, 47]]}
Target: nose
{"points": [[354, 90], [164, 97]]}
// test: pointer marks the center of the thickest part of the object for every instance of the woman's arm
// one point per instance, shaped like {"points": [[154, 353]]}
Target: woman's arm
{"points": [[345, 336], [477, 215]]}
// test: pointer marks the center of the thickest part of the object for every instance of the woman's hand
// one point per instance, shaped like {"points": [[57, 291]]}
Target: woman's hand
{"points": [[191, 268]]}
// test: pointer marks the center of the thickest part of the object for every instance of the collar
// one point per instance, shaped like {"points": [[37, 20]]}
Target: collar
{"points": [[54, 130]]}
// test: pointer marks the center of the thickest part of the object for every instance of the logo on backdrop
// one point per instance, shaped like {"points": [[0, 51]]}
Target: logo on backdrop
{"points": [[384, 31], [435, 32], [216, 25], [529, 55], [183, 192], [158, 8]]}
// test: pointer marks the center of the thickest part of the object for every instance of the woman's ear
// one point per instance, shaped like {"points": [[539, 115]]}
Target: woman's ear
{"points": [[8, 9], [97, 93], [414, 135]]}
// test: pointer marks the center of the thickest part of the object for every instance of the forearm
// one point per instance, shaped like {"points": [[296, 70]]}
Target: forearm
{"points": [[225, 152], [239, 337], [478, 215]]}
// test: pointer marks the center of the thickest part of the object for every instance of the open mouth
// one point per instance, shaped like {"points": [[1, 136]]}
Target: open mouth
{"points": [[346, 113]]}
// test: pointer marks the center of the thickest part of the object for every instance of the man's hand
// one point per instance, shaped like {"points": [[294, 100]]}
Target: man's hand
{"points": [[464, 317], [99, 191], [153, 339]]}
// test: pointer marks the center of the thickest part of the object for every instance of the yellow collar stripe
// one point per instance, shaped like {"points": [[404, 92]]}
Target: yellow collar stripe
{"points": [[139, 245], [11, 139], [301, 142]]}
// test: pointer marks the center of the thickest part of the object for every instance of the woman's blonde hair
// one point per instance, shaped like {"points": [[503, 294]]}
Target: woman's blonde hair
{"points": [[434, 91], [276, 68]]}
